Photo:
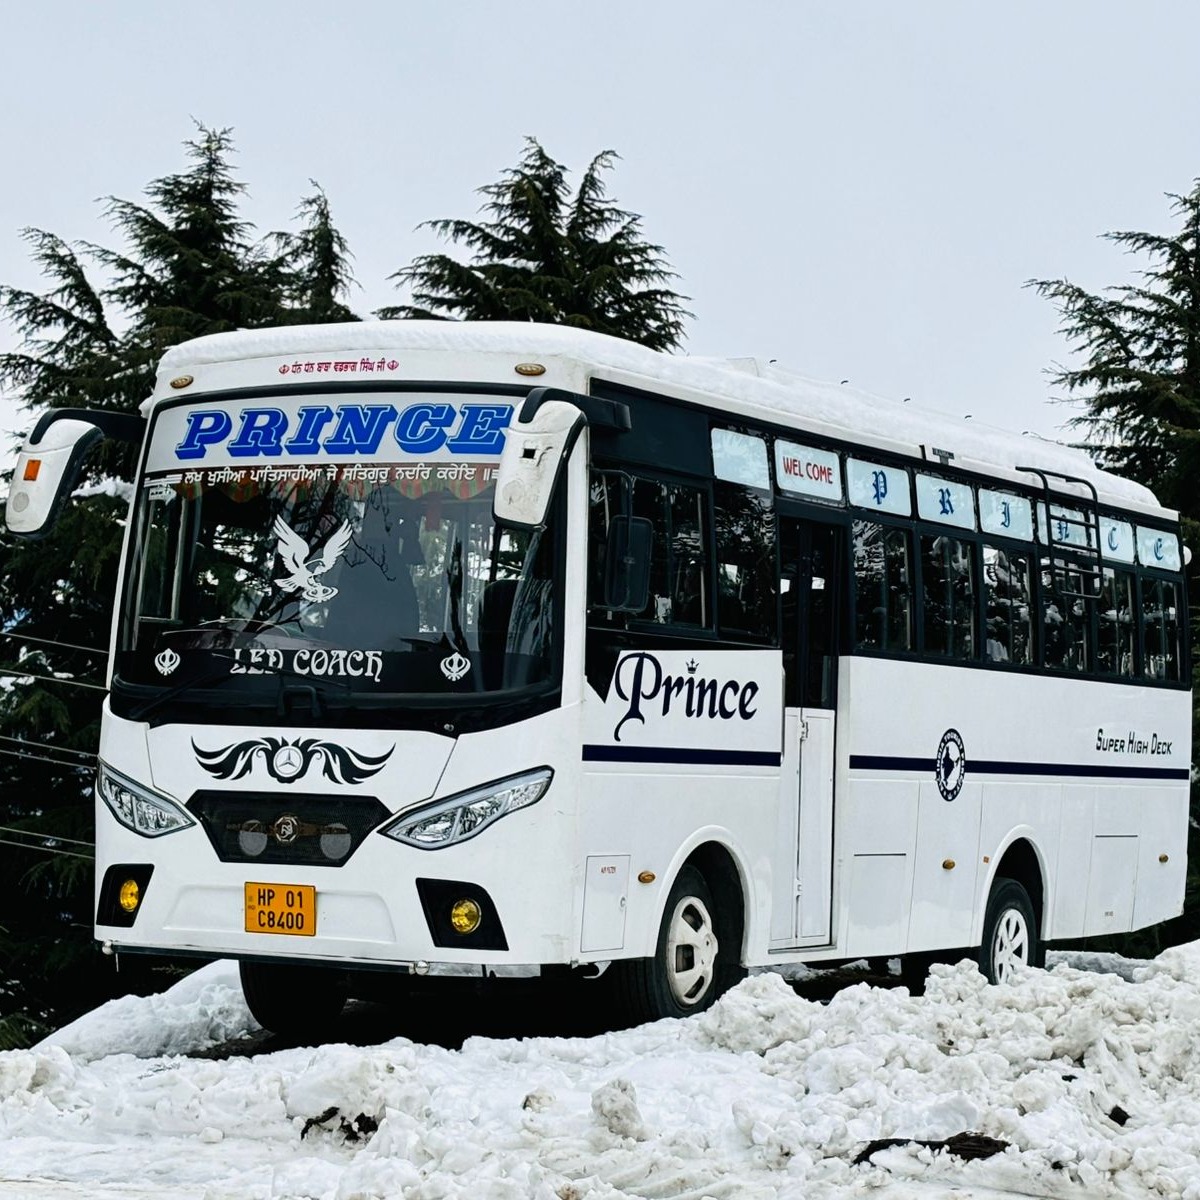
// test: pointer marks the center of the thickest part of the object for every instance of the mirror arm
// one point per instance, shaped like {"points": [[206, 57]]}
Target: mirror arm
{"points": [[597, 412], [120, 426]]}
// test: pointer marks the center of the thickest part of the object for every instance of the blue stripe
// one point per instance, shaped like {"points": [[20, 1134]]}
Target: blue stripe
{"points": [[884, 762], [673, 754]]}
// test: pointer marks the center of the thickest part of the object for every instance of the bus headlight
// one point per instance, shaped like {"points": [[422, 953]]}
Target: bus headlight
{"points": [[463, 816], [138, 808]]}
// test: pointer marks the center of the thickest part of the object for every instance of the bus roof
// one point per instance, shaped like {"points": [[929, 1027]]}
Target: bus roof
{"points": [[750, 388]]}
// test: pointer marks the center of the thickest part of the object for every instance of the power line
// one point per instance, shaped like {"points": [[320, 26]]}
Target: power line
{"points": [[53, 747], [52, 837], [24, 637], [57, 762], [48, 850], [99, 687]]}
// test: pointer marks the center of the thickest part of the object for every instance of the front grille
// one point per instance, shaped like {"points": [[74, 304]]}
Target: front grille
{"points": [[260, 827]]}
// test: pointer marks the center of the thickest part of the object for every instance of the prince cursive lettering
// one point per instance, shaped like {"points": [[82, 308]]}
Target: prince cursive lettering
{"points": [[640, 681]]}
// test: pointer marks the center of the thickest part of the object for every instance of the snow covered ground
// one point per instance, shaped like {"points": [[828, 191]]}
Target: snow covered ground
{"points": [[1092, 1080]]}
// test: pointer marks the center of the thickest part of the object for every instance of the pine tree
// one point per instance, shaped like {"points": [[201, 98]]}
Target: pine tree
{"points": [[189, 267], [1139, 382], [542, 254], [1140, 377], [317, 261]]}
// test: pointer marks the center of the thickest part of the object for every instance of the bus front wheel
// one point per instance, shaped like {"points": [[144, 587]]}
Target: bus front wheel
{"points": [[294, 1000], [1010, 934], [690, 968]]}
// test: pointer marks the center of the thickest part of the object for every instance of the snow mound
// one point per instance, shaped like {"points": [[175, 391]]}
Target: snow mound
{"points": [[202, 1010], [1082, 1084]]}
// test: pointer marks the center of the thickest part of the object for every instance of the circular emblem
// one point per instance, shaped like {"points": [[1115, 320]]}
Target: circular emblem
{"points": [[286, 829], [950, 766], [287, 763]]}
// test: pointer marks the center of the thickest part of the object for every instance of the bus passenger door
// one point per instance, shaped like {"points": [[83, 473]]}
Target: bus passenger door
{"points": [[810, 553]]}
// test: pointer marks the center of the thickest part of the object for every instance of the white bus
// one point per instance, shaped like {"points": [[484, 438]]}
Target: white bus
{"points": [[508, 648]]}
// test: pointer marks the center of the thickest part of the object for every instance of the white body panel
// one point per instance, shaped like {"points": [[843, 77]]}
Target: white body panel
{"points": [[1033, 772]]}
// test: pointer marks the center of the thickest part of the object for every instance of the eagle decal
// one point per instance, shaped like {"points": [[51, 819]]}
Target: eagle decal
{"points": [[304, 565], [288, 761]]}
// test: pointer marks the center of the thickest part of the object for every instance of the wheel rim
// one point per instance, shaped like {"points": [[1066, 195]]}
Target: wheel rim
{"points": [[1010, 945], [691, 951]]}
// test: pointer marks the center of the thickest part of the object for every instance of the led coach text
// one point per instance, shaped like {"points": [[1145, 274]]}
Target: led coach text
{"points": [[422, 428]]}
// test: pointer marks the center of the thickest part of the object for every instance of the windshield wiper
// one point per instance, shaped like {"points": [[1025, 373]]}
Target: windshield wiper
{"points": [[212, 675], [221, 673]]}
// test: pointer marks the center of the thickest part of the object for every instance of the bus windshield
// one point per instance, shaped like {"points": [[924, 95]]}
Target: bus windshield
{"points": [[358, 580]]}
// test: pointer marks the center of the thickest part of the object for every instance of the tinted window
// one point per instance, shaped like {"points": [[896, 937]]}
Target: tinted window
{"points": [[679, 586], [1116, 630], [1008, 631], [1160, 629], [948, 596], [882, 578], [1066, 619], [747, 573]]}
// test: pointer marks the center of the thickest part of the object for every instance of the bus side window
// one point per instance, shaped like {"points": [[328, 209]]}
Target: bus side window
{"points": [[882, 587], [1117, 632], [1066, 619], [747, 576], [1008, 607], [679, 581], [948, 596], [1160, 629], [605, 501]]}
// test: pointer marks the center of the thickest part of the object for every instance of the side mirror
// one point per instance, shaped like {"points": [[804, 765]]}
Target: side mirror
{"points": [[627, 564], [46, 473], [534, 452]]}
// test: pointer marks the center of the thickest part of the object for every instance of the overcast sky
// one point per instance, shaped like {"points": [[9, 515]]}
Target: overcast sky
{"points": [[859, 190]]}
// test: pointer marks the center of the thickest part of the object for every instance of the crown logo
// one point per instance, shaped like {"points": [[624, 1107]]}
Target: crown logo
{"points": [[691, 667]]}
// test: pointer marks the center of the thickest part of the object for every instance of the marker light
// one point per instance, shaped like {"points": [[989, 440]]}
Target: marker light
{"points": [[137, 808], [32, 467], [130, 895], [465, 916], [463, 816]]}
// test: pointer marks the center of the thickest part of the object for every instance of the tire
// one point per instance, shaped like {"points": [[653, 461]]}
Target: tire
{"points": [[691, 966], [1010, 932], [294, 1000]]}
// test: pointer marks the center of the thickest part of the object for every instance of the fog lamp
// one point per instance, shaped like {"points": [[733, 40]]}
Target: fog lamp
{"points": [[465, 916], [252, 838], [130, 895], [335, 841]]}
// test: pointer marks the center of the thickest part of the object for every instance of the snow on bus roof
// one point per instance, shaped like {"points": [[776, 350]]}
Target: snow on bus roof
{"points": [[750, 387]]}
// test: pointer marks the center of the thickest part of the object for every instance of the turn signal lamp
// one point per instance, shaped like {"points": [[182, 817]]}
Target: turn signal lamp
{"points": [[465, 916], [130, 895], [32, 467]]}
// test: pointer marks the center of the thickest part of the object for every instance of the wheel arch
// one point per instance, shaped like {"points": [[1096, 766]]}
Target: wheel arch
{"points": [[715, 855], [722, 873], [1019, 857]]}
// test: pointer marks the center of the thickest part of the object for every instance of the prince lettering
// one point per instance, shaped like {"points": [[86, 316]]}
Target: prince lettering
{"points": [[646, 688]]}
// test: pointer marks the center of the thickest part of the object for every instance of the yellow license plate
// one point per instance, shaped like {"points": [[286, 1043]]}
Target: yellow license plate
{"points": [[281, 908]]}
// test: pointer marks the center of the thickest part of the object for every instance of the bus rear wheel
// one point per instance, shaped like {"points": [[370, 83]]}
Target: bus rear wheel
{"points": [[691, 966], [1010, 934], [294, 1000]]}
